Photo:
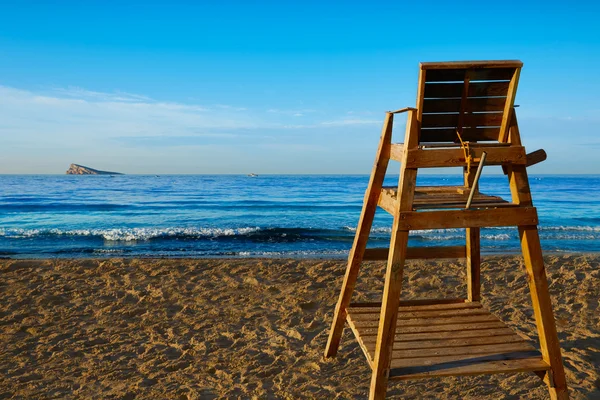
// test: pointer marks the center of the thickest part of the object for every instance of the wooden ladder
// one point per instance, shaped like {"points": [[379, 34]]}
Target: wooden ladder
{"points": [[426, 338]]}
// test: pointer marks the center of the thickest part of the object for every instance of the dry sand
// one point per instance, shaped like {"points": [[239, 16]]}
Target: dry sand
{"points": [[186, 329]]}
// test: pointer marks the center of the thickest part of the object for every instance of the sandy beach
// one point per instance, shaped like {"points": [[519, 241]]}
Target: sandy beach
{"points": [[254, 328]]}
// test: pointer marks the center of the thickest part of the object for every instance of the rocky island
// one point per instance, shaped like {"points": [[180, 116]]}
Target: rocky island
{"points": [[76, 169]]}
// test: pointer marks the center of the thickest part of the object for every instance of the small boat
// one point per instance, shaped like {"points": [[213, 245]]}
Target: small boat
{"points": [[252, 175]]}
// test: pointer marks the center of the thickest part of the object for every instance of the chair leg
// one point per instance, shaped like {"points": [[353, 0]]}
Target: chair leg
{"points": [[389, 314], [542, 306], [361, 237], [473, 264]]}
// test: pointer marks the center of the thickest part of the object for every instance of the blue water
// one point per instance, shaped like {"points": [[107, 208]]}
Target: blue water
{"points": [[279, 216]]}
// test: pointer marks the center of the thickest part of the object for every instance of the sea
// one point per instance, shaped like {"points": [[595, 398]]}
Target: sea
{"points": [[298, 216]]}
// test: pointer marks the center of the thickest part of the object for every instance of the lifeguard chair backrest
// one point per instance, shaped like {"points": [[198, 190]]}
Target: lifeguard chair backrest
{"points": [[474, 98]]}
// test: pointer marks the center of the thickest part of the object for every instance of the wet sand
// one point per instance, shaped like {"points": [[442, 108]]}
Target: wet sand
{"points": [[202, 329]]}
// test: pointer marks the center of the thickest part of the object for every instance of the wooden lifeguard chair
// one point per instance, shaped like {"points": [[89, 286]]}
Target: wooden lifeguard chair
{"points": [[464, 114]]}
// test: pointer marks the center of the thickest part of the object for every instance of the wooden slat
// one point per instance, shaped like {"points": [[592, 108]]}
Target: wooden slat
{"points": [[420, 158], [473, 253], [415, 338], [414, 305], [438, 199], [515, 216], [363, 230], [433, 347], [422, 314], [449, 134], [363, 323], [484, 365], [479, 74], [454, 342], [509, 106], [412, 357], [475, 104], [363, 346], [476, 89], [418, 253], [470, 64], [401, 330], [396, 151], [395, 266], [469, 120]]}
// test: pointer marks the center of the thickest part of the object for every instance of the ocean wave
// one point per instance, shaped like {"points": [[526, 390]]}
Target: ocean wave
{"points": [[571, 228], [128, 234], [287, 234]]}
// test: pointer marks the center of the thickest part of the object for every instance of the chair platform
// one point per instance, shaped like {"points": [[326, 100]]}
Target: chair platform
{"points": [[441, 197], [445, 338]]}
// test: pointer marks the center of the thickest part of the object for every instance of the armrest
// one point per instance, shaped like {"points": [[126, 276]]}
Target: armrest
{"points": [[405, 109], [536, 157], [533, 158]]}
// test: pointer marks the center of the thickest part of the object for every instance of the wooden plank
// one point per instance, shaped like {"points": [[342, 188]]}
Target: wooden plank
{"points": [[387, 202], [395, 266], [422, 314], [420, 253], [515, 216], [415, 338], [433, 201], [363, 346], [509, 106], [449, 134], [459, 327], [418, 356], [476, 89], [478, 74], [397, 151], [538, 286], [420, 98], [364, 323], [471, 64], [475, 104], [534, 363], [455, 342], [361, 237], [473, 262], [459, 205], [431, 348], [536, 157], [417, 304], [469, 120], [481, 357], [449, 194], [419, 158]]}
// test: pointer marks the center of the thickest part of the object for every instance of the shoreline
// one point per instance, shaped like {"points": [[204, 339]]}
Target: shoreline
{"points": [[256, 328], [44, 257]]}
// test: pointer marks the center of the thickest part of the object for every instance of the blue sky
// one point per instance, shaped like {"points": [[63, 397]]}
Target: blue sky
{"points": [[269, 87]]}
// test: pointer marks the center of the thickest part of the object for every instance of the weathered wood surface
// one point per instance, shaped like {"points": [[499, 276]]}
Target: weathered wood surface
{"points": [[473, 218], [395, 266], [365, 222], [442, 158], [456, 347], [484, 64], [430, 198]]}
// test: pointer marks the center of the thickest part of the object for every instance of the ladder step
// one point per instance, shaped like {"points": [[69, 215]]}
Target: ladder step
{"points": [[423, 253], [445, 339], [516, 216], [441, 197]]}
